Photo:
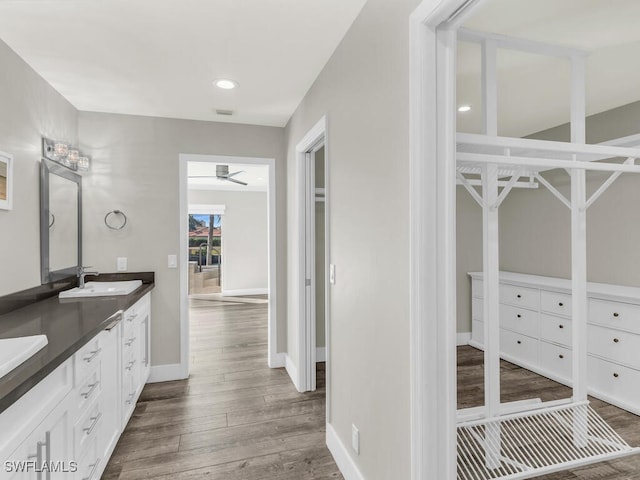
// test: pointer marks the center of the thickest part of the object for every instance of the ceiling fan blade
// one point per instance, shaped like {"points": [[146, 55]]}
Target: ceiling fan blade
{"points": [[235, 173], [236, 181]]}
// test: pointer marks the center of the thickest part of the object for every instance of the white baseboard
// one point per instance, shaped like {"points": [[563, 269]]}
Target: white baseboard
{"points": [[292, 370], [166, 373], [463, 338], [321, 354], [341, 455], [243, 292], [278, 360]]}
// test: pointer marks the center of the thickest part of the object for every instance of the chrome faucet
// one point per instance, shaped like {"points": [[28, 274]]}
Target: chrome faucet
{"points": [[82, 272]]}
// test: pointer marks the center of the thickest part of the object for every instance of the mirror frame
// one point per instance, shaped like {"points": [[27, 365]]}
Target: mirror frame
{"points": [[48, 168]]}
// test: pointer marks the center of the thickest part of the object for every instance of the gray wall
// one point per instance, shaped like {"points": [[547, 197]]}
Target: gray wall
{"points": [[363, 89], [135, 169], [244, 236], [29, 109]]}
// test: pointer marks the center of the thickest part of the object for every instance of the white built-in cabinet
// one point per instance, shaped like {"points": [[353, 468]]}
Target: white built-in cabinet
{"points": [[535, 332], [73, 418]]}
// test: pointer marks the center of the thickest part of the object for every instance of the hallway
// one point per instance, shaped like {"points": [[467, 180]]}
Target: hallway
{"points": [[234, 418]]}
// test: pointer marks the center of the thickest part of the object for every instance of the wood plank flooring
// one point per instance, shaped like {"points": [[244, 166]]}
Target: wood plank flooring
{"points": [[234, 418], [520, 384]]}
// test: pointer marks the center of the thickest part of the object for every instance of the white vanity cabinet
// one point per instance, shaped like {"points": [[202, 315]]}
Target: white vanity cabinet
{"points": [[73, 418], [535, 332]]}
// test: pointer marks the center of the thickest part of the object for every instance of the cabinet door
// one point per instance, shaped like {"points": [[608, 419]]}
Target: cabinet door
{"points": [[111, 391], [56, 432], [144, 356]]}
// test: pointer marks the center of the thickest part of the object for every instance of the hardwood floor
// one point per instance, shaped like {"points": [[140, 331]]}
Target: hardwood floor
{"points": [[519, 384], [234, 418]]}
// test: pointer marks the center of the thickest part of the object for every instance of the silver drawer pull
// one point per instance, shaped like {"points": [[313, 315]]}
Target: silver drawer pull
{"points": [[129, 342], [616, 314], [93, 355], [616, 340], [130, 365], [94, 422], [93, 470], [92, 388], [130, 401], [616, 375], [132, 317]]}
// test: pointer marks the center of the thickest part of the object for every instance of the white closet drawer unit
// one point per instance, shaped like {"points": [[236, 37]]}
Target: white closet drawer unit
{"points": [[556, 360], [519, 320], [555, 329], [614, 314], [477, 288], [86, 359], [556, 303], [522, 296], [477, 332], [477, 309], [519, 346], [622, 347], [614, 382]]}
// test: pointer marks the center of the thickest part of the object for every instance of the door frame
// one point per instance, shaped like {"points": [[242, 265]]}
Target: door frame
{"points": [[274, 359], [432, 130], [312, 141]]}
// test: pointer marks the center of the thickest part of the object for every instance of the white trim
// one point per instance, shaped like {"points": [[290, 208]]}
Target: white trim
{"points": [[7, 204], [463, 339], [279, 360], [272, 335], [292, 370], [166, 373], [340, 454], [321, 354], [202, 209], [245, 291]]}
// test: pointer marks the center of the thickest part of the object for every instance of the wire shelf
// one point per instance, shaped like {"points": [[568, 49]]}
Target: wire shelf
{"points": [[537, 442]]}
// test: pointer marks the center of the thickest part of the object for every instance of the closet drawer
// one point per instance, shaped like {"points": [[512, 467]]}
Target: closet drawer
{"points": [[477, 332], [618, 315], [522, 296], [477, 309], [555, 329], [556, 303], [520, 347], [556, 360], [477, 288], [519, 320], [622, 347], [613, 381]]}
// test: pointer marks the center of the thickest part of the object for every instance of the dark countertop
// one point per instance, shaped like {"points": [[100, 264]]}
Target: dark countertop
{"points": [[68, 324]]}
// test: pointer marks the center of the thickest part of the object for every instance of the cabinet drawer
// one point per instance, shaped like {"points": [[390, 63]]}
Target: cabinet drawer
{"points": [[477, 288], [518, 346], [477, 309], [555, 329], [556, 303], [556, 360], [89, 463], [519, 320], [614, 381], [522, 296], [613, 314], [89, 389], [477, 332], [622, 347], [88, 425], [86, 359]]}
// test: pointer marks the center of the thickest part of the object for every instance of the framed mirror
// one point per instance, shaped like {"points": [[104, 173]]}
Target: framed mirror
{"points": [[60, 222]]}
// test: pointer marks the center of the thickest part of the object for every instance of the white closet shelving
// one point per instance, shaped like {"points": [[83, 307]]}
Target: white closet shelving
{"points": [[530, 438]]}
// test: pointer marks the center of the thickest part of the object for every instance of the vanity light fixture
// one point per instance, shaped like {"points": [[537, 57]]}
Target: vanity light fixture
{"points": [[225, 84], [64, 154]]}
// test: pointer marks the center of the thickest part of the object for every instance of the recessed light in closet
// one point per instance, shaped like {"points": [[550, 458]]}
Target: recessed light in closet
{"points": [[464, 108]]}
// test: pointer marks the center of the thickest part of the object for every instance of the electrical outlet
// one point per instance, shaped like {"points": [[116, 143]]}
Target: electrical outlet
{"points": [[332, 274], [121, 264], [172, 261], [355, 439]]}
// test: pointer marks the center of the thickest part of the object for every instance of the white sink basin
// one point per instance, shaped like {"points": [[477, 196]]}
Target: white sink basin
{"points": [[15, 351], [102, 289]]}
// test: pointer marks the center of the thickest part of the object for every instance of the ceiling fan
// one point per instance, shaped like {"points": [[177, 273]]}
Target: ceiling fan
{"points": [[222, 173]]}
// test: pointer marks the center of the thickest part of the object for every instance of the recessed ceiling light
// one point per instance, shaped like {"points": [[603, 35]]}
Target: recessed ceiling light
{"points": [[464, 108], [225, 84]]}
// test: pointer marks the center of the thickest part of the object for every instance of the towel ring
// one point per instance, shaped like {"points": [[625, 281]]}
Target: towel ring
{"points": [[52, 219], [117, 213]]}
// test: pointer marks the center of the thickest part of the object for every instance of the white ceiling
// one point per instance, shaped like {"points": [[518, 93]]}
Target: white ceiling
{"points": [[257, 176], [534, 91], [159, 57]]}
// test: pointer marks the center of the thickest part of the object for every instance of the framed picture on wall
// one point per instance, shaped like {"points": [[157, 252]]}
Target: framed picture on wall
{"points": [[6, 181]]}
